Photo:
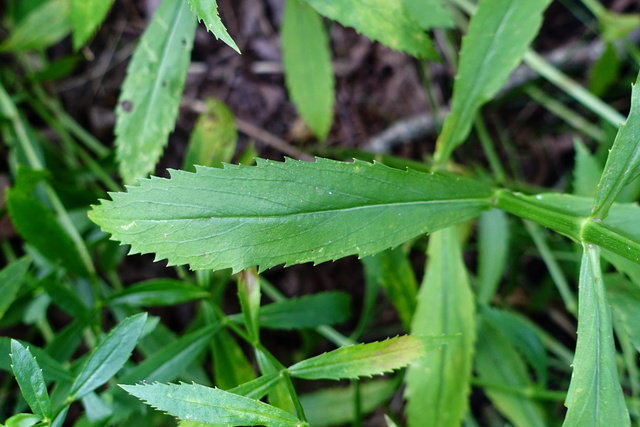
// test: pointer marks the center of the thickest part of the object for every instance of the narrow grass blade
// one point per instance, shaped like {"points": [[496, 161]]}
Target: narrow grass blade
{"points": [[392, 270], [380, 20], [438, 384], [307, 66], [30, 379], [44, 26], [107, 359], [193, 402], [311, 311], [493, 251], [497, 362], [595, 396], [151, 93], [499, 34], [158, 292], [207, 12], [86, 17], [213, 139], [623, 163], [360, 360], [289, 212], [11, 278]]}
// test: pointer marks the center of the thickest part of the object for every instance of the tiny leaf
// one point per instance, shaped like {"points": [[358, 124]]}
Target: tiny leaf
{"points": [[109, 356], [380, 20], [207, 12], [307, 58], [289, 212], [213, 139], [151, 93], [30, 379], [623, 163], [86, 17], [193, 402], [360, 360], [595, 397]]}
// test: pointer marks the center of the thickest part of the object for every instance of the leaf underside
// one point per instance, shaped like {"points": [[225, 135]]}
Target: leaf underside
{"points": [[290, 212]]}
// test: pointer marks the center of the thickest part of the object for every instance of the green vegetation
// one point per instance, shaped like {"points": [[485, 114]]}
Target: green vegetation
{"points": [[456, 334]]}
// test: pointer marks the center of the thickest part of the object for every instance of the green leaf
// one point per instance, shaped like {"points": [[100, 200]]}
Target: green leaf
{"points": [[23, 420], [499, 34], [522, 336], [249, 295], [289, 212], [53, 370], [625, 302], [213, 139], [257, 388], [86, 17], [193, 402], [392, 270], [109, 356], [30, 379], [360, 360], [430, 13], [493, 251], [623, 163], [380, 20], [40, 228], [595, 397], [336, 406], [438, 384], [43, 27], [151, 93], [11, 278], [307, 66], [168, 363], [231, 366], [207, 12], [310, 311], [157, 292], [497, 362]]}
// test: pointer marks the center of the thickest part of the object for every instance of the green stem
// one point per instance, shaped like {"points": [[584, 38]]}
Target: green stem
{"points": [[489, 150]]}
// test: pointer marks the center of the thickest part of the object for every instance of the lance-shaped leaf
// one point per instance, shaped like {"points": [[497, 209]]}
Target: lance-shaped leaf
{"points": [[310, 311], [623, 163], [11, 278], [360, 360], [499, 33], [193, 402], [158, 292], [151, 93], [380, 20], [86, 17], [289, 212], [595, 397], [109, 356], [439, 382], [207, 11], [307, 66], [30, 379], [42, 27]]}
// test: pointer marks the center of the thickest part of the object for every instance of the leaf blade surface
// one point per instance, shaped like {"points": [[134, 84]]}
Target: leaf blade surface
{"points": [[30, 379], [151, 93], [207, 12], [289, 212]]}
